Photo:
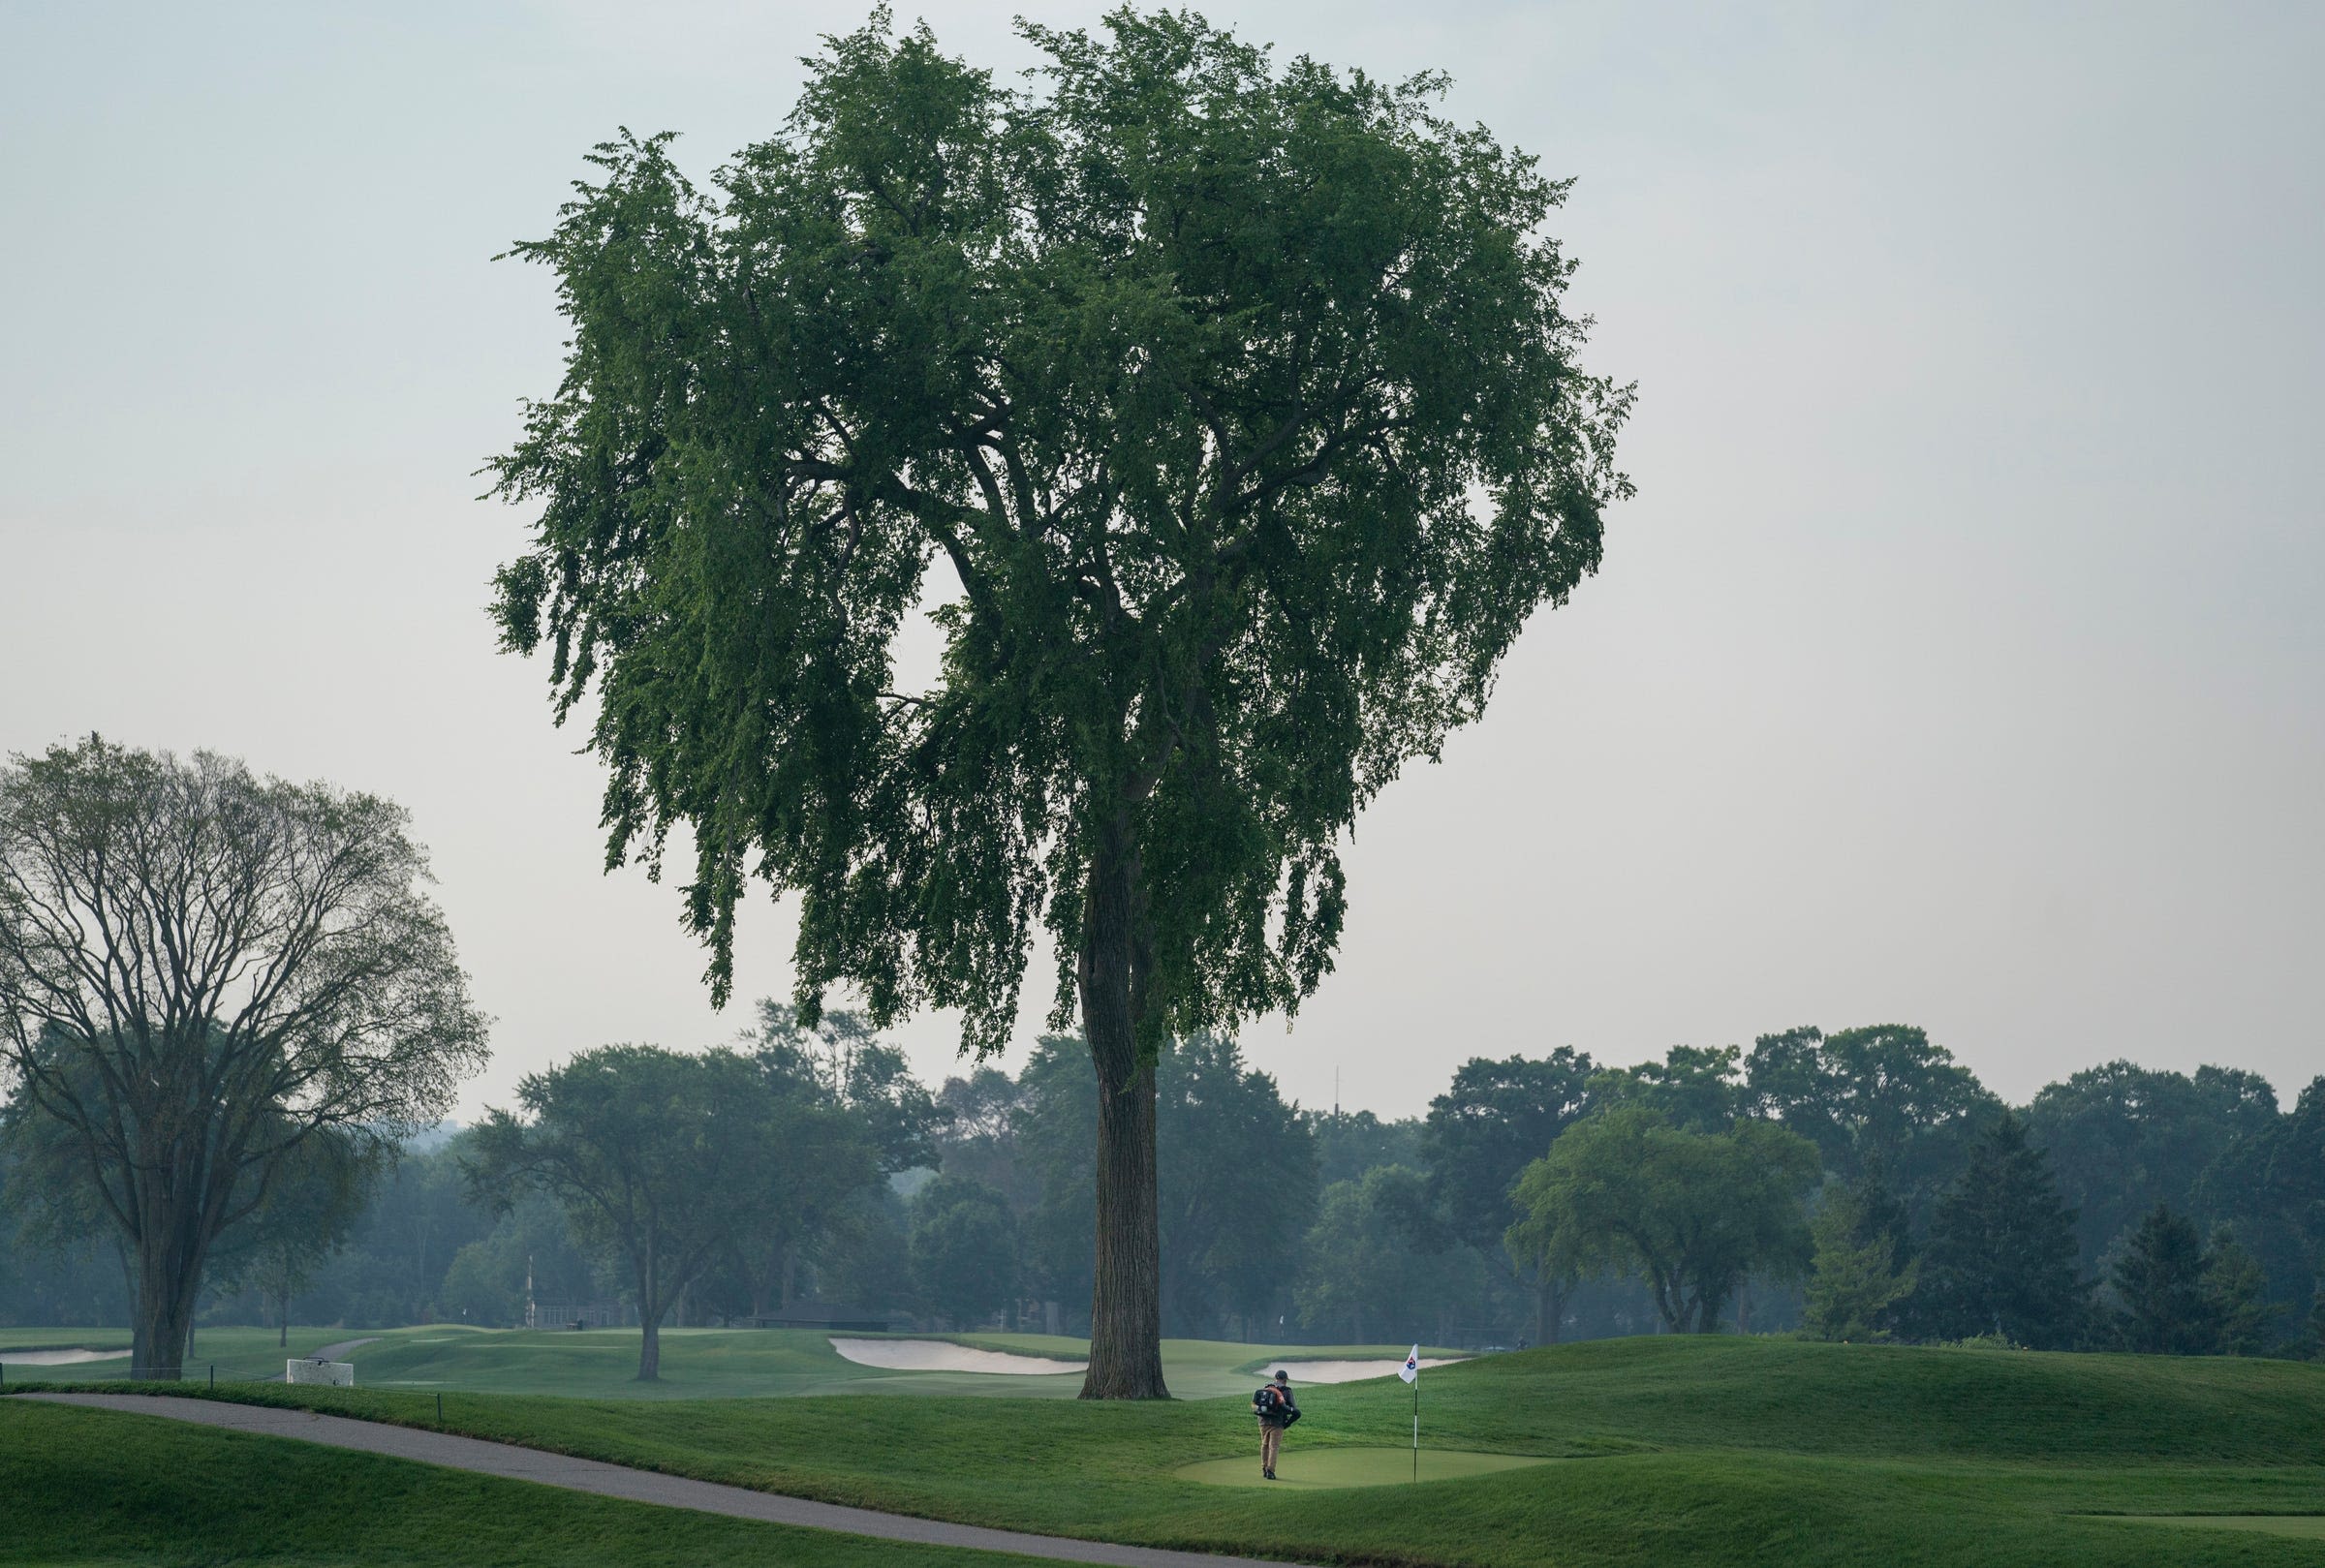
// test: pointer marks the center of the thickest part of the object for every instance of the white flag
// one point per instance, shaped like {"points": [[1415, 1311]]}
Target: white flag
{"points": [[1410, 1371]]}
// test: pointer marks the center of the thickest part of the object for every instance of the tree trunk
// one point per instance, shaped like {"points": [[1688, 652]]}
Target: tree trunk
{"points": [[1549, 1307], [168, 1281], [283, 1337], [650, 1308], [1126, 1299]]}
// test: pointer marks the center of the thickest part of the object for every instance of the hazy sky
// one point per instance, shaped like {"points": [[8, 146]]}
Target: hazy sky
{"points": [[1959, 664]]}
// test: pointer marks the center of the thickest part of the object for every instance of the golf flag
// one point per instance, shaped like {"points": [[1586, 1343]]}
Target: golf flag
{"points": [[1410, 1371]]}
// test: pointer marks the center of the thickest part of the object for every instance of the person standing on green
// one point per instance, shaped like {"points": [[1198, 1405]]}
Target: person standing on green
{"points": [[1277, 1409]]}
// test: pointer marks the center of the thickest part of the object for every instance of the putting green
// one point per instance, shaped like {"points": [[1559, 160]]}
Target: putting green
{"points": [[2307, 1526], [1319, 1468]]}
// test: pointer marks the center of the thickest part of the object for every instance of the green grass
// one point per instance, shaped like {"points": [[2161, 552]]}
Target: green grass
{"points": [[1322, 1469], [86, 1488], [696, 1363], [1691, 1451], [62, 1340], [2305, 1526], [237, 1354]]}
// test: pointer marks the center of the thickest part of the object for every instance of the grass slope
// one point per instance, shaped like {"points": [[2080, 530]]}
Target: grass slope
{"points": [[1691, 1452], [85, 1486]]}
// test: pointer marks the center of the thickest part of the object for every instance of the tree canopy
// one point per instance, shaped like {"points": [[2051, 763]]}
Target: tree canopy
{"points": [[1692, 1213], [2001, 1256], [1879, 1101], [1241, 406], [201, 971], [1492, 1121], [2125, 1138], [963, 1249], [1856, 1280], [659, 1159]]}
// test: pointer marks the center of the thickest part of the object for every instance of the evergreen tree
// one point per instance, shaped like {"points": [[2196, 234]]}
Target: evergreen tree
{"points": [[1858, 1276], [2166, 1310], [2002, 1253], [2235, 1290]]}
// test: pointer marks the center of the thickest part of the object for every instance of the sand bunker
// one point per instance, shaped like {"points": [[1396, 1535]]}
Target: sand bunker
{"points": [[1349, 1372], [938, 1355], [56, 1357]]}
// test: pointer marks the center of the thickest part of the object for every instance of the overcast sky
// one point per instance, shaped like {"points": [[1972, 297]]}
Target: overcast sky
{"points": [[1959, 664]]}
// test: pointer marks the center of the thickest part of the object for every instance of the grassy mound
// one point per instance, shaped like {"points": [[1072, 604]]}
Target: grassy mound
{"points": [[1697, 1452], [85, 1486]]}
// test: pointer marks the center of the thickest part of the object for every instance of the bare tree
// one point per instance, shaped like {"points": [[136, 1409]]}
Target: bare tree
{"points": [[202, 970]]}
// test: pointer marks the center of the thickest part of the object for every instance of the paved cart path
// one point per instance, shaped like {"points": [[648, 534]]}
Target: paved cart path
{"points": [[534, 1465], [334, 1352]]}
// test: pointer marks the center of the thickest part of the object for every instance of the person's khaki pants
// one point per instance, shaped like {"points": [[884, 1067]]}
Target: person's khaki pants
{"points": [[1271, 1439]]}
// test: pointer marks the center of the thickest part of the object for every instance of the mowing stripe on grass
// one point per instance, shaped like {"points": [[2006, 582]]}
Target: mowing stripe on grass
{"points": [[2306, 1526], [619, 1481]]}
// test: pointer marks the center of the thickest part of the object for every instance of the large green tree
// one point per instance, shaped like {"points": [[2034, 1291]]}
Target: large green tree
{"points": [[843, 1063], [659, 1159], [851, 1111], [1691, 1214], [1878, 1102], [1236, 1184], [2270, 1183], [201, 971], [963, 1249], [1492, 1121], [1364, 1275], [2125, 1138], [1241, 407], [1696, 1087]]}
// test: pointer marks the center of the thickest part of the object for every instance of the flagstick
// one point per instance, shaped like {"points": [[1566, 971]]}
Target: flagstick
{"points": [[1416, 1430]]}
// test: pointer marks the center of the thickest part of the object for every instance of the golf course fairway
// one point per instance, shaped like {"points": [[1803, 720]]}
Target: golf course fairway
{"points": [[1328, 1467], [1687, 1451]]}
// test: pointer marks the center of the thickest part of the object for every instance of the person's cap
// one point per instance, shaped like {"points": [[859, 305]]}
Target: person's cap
{"points": [[1282, 1376]]}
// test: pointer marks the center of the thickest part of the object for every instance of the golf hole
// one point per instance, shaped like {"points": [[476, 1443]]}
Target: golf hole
{"points": [[1319, 1468]]}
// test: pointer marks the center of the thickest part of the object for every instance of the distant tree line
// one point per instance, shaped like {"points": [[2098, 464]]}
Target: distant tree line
{"points": [[1858, 1185], [1864, 1186]]}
